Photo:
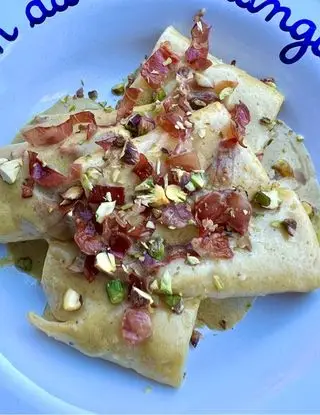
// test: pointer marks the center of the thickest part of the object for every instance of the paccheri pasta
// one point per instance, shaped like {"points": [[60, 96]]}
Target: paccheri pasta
{"points": [[180, 203]]}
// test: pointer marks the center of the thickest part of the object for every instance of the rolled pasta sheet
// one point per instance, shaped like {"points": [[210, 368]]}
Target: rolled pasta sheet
{"points": [[262, 100], [95, 329], [285, 145], [40, 216], [223, 314], [32, 218], [277, 263]]}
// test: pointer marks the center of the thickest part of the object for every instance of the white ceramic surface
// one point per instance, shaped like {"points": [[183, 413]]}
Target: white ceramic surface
{"points": [[271, 362]]}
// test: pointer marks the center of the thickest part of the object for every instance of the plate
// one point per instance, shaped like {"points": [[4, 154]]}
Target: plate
{"points": [[271, 361]]}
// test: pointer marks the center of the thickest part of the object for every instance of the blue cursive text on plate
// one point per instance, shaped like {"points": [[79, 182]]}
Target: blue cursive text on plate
{"points": [[8, 37], [37, 5], [37, 13], [304, 38]]}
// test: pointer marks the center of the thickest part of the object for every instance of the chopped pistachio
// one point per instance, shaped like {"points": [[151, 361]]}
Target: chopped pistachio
{"points": [[106, 262], [300, 138], [80, 93], [262, 199], [10, 170], [93, 95], [308, 208], [150, 225], [105, 209], [225, 93], [195, 338], [72, 108], [140, 297], [104, 105], [190, 187], [73, 193], [118, 89], [159, 95], [268, 122], [72, 300], [145, 245], [156, 249], [116, 291], [86, 183], [154, 286], [283, 168], [24, 263], [156, 198], [166, 283], [198, 180], [175, 193], [192, 260], [270, 141], [202, 80], [175, 302], [65, 99], [218, 283], [268, 200], [145, 186], [270, 82], [167, 62], [108, 197], [179, 172], [290, 225]]}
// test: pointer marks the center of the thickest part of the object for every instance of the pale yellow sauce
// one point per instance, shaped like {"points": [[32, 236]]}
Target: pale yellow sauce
{"points": [[218, 314], [35, 250]]}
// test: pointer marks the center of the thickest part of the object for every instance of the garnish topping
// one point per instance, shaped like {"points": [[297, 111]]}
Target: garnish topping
{"points": [[283, 168], [197, 53], [9, 170], [136, 325], [175, 302], [156, 69], [106, 262], [268, 200], [72, 301], [156, 249], [118, 89], [116, 291], [290, 225]]}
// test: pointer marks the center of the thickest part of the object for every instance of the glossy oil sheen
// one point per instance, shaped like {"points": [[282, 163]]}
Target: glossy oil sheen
{"points": [[271, 361]]}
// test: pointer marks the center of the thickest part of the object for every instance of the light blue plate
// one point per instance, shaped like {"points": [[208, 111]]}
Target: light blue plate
{"points": [[271, 362]]}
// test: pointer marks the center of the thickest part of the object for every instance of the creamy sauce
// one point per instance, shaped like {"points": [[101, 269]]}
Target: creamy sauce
{"points": [[216, 314], [286, 145], [35, 250], [225, 314]]}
